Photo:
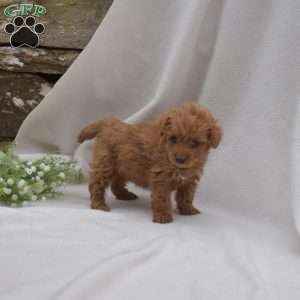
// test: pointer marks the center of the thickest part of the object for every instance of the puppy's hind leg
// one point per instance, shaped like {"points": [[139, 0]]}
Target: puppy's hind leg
{"points": [[100, 179], [120, 191]]}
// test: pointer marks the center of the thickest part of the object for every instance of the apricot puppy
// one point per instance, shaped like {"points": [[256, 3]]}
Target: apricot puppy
{"points": [[165, 155]]}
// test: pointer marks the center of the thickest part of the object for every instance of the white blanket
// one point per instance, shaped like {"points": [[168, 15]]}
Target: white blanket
{"points": [[63, 250], [239, 58]]}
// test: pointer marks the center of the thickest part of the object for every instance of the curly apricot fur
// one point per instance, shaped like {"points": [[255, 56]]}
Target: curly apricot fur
{"points": [[165, 155]]}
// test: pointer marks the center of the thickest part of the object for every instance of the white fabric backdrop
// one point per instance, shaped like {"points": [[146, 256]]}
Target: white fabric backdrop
{"points": [[239, 58]]}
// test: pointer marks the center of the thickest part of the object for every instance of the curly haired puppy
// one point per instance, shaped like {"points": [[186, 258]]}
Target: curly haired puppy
{"points": [[165, 155]]}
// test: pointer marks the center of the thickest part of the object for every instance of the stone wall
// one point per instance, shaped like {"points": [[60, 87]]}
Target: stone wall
{"points": [[27, 75]]}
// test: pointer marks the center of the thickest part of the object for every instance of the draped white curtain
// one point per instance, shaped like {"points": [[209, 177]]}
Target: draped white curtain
{"points": [[241, 60]]}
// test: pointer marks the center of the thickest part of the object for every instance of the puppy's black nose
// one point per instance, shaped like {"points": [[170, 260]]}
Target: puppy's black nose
{"points": [[180, 159]]}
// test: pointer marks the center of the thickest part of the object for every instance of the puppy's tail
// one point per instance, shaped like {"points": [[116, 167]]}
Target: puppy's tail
{"points": [[89, 132]]}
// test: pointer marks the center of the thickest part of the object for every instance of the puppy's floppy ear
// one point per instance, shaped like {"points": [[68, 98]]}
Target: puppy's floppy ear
{"points": [[165, 123], [214, 135]]}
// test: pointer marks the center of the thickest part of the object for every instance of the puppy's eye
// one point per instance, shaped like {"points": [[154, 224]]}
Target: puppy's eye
{"points": [[195, 144], [173, 139]]}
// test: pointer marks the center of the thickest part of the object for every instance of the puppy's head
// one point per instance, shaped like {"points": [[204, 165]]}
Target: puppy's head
{"points": [[188, 133]]}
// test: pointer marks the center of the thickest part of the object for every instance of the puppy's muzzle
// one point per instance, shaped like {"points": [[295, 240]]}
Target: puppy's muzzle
{"points": [[180, 159]]}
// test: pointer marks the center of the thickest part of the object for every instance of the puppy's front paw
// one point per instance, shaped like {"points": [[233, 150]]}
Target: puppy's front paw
{"points": [[188, 210], [100, 206], [162, 218]]}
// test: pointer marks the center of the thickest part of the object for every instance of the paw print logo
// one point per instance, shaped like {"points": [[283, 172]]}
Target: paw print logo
{"points": [[24, 32]]}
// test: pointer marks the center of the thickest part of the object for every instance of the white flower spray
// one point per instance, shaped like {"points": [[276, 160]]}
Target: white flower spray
{"points": [[24, 181]]}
